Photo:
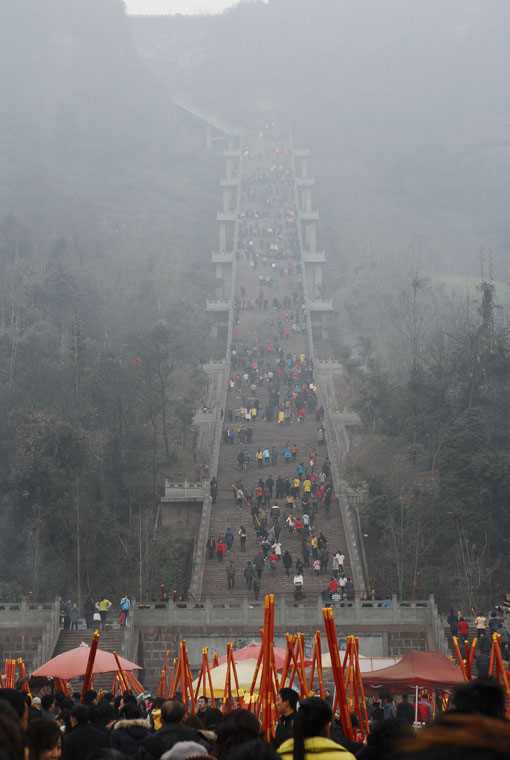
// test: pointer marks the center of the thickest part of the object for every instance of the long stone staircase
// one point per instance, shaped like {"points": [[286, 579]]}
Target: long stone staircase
{"points": [[255, 328], [110, 640]]}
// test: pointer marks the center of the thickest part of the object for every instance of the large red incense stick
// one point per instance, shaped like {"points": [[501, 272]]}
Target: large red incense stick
{"points": [[87, 678], [345, 717]]}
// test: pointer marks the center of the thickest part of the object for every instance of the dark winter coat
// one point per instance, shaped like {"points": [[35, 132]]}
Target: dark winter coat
{"points": [[128, 735], [283, 729], [165, 738], [405, 712], [494, 623], [83, 740]]}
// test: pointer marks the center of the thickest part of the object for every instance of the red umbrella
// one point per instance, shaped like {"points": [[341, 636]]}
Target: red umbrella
{"points": [[251, 652], [73, 663]]}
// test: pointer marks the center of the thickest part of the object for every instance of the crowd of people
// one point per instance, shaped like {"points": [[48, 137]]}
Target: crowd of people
{"points": [[484, 628], [283, 516], [118, 727], [272, 393], [94, 613]]}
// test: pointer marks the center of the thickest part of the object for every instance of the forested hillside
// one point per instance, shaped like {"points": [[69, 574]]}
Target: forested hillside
{"points": [[434, 455], [107, 205]]}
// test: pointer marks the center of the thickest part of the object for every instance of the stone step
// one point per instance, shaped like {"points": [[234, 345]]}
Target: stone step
{"points": [[260, 327], [109, 641]]}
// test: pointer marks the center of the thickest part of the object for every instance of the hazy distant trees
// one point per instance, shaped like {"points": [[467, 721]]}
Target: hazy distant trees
{"points": [[109, 204], [92, 419], [443, 434]]}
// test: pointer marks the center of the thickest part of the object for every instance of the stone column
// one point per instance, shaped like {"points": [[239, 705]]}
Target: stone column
{"points": [[318, 278], [394, 609], [311, 236], [220, 281], [208, 610], [223, 237]]}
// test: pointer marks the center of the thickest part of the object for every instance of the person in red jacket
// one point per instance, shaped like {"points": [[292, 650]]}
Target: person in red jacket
{"points": [[463, 628], [220, 549]]}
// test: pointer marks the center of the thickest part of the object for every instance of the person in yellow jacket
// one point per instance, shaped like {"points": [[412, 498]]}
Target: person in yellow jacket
{"points": [[310, 731], [103, 606]]}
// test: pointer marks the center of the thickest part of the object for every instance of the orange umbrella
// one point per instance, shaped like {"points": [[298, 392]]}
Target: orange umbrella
{"points": [[74, 663]]}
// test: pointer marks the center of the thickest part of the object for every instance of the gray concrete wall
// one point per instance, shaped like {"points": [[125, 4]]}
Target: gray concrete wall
{"points": [[29, 630]]}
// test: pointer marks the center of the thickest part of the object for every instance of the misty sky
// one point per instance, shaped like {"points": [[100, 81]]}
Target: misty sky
{"points": [[177, 6]]}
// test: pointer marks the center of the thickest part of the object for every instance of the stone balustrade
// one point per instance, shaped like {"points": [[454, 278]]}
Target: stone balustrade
{"points": [[245, 612]]}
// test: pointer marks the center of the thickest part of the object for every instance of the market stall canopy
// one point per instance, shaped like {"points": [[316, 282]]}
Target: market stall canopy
{"points": [[431, 670], [244, 669], [251, 652], [366, 664], [73, 663]]}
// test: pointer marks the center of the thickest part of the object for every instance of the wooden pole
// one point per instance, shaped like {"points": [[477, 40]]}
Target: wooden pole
{"points": [[472, 653], [459, 657], [226, 691], [365, 589], [182, 674], [301, 665], [201, 676], [345, 717], [10, 673], [468, 659], [134, 682], [361, 690], [414, 586], [319, 664], [312, 667], [122, 676], [232, 666], [492, 658], [209, 677], [295, 665], [162, 687], [90, 665], [204, 677], [285, 670], [172, 679], [23, 674], [496, 644], [257, 667], [61, 685], [265, 682], [189, 679]]}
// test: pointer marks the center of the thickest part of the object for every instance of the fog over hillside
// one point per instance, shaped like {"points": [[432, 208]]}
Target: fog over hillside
{"points": [[405, 106], [108, 201]]}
